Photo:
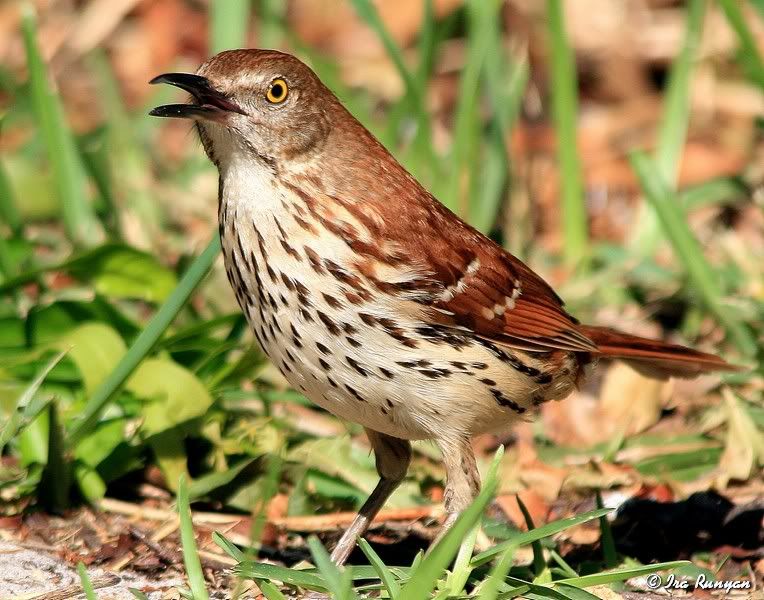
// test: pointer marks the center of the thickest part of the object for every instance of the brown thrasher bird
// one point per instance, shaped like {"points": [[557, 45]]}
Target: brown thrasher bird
{"points": [[371, 297]]}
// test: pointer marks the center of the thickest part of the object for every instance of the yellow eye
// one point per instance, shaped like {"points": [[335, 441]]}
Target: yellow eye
{"points": [[277, 91]]}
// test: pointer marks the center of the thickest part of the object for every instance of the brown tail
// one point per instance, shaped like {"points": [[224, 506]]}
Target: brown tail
{"points": [[653, 358]]}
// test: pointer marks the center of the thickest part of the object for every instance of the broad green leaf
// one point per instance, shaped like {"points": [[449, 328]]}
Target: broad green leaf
{"points": [[96, 349], [115, 270], [174, 394], [102, 441]]}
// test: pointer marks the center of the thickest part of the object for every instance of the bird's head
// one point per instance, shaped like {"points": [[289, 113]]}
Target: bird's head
{"points": [[257, 105]]}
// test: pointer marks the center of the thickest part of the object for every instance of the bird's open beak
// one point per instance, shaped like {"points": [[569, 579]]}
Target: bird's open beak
{"points": [[210, 103]]}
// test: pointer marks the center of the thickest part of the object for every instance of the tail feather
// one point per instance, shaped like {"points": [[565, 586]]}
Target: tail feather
{"points": [[653, 358]]}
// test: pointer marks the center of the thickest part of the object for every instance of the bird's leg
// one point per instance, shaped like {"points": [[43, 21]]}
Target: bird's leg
{"points": [[462, 479], [393, 456]]}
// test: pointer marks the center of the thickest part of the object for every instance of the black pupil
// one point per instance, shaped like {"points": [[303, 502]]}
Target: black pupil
{"points": [[277, 91]]}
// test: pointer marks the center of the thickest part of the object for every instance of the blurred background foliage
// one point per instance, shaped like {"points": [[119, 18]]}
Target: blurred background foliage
{"points": [[615, 146]]}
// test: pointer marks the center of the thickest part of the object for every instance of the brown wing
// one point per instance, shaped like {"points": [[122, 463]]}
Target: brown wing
{"points": [[493, 294], [466, 280]]}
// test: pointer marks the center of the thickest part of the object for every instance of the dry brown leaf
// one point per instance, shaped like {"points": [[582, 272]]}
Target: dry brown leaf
{"points": [[744, 446], [629, 402]]}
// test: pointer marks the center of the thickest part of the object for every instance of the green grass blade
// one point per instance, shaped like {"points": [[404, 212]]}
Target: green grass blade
{"points": [[566, 568], [505, 94], [385, 575], [25, 410], [87, 585], [565, 112], [56, 482], [462, 568], [8, 210], [749, 49], [229, 20], [481, 17], [715, 191], [138, 594], [146, 340], [606, 538], [368, 13], [292, 577], [68, 172], [206, 483], [188, 542], [688, 250], [338, 585], [425, 576], [428, 42], [271, 15], [672, 133], [539, 564], [127, 163], [228, 546], [270, 591], [529, 537], [620, 574], [490, 587]]}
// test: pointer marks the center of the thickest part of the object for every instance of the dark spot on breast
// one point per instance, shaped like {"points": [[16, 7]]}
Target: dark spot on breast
{"points": [[356, 365], [287, 282], [504, 401], [314, 259], [325, 365], [508, 358], [488, 382], [343, 275], [370, 320], [349, 329], [353, 342], [323, 349], [332, 301], [332, 382], [330, 325], [435, 373], [387, 373], [305, 225], [352, 391]]}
